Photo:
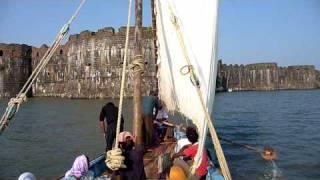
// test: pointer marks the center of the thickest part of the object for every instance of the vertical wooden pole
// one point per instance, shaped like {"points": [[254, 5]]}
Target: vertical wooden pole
{"points": [[137, 117], [154, 37], [154, 30]]}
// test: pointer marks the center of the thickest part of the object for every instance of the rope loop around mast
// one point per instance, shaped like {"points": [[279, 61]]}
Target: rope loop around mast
{"points": [[137, 64]]}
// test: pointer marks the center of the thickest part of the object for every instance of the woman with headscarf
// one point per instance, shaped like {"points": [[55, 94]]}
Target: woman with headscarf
{"points": [[80, 169]]}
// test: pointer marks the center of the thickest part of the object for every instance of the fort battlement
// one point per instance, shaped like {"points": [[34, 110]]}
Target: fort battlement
{"points": [[89, 65], [261, 65], [108, 32]]}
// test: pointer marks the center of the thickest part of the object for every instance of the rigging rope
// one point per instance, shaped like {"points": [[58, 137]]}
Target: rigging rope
{"points": [[195, 82], [123, 77], [114, 158], [14, 104]]}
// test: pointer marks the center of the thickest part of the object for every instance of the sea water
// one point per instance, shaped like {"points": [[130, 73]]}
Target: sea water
{"points": [[48, 133]]}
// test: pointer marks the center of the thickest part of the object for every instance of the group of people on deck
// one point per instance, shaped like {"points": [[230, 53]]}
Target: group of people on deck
{"points": [[155, 125]]}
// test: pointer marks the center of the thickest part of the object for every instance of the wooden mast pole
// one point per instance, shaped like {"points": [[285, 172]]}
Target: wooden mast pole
{"points": [[154, 36], [154, 30], [137, 115]]}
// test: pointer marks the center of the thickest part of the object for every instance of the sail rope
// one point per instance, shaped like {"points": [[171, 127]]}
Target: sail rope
{"points": [[14, 103], [196, 83], [123, 77], [114, 157]]}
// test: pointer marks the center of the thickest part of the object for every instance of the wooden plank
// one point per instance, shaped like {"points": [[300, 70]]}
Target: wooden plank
{"points": [[152, 156]]}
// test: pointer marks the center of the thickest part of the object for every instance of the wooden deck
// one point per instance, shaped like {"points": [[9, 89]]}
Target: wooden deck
{"points": [[151, 159]]}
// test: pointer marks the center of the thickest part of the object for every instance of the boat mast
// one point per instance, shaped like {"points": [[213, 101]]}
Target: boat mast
{"points": [[154, 31], [137, 117]]}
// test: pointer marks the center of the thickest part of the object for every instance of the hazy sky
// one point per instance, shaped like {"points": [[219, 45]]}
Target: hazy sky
{"points": [[282, 31]]}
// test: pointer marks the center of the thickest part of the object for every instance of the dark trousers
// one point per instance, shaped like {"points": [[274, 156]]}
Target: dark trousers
{"points": [[110, 136], [148, 132]]}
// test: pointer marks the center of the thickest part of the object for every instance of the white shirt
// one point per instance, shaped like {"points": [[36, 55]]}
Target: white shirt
{"points": [[181, 143], [162, 114]]}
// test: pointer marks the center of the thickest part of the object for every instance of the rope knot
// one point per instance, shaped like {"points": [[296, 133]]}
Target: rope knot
{"points": [[137, 65], [18, 100], [115, 160]]}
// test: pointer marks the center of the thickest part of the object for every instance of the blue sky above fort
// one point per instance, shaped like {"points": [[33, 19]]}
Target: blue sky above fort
{"points": [[250, 31]]}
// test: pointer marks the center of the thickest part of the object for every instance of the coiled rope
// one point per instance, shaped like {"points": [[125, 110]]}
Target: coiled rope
{"points": [[137, 64], [14, 103], [196, 83], [114, 158]]}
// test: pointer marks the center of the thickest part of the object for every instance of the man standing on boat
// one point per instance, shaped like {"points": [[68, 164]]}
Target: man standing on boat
{"points": [[149, 103], [108, 123]]}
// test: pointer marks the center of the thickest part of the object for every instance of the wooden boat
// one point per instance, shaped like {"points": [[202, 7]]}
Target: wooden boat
{"points": [[151, 163]]}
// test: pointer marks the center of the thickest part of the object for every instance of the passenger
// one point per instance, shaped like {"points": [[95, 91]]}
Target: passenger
{"points": [[149, 103], [177, 173], [183, 142], [80, 169], [27, 176], [108, 123], [133, 158], [162, 116], [190, 151], [181, 138]]}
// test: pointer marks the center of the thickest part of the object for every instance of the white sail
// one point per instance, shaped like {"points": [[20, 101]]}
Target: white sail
{"points": [[197, 21], [186, 32]]}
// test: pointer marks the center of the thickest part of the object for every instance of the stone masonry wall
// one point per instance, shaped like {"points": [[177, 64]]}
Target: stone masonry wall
{"points": [[15, 68], [267, 76], [89, 65]]}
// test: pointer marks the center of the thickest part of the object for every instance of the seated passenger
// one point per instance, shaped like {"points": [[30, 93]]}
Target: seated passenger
{"points": [[183, 142], [190, 151], [133, 158], [80, 169], [162, 116]]}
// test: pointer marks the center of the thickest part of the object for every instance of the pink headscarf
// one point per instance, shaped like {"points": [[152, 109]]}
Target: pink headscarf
{"points": [[79, 167], [123, 135]]}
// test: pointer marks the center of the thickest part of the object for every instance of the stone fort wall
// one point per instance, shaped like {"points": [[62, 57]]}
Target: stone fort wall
{"points": [[15, 68], [267, 76], [89, 65]]}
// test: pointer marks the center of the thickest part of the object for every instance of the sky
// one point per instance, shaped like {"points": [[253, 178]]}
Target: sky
{"points": [[250, 31]]}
